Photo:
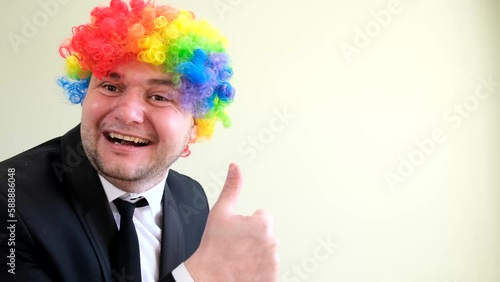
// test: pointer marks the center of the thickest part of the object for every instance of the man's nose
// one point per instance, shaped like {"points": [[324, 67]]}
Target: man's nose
{"points": [[130, 108]]}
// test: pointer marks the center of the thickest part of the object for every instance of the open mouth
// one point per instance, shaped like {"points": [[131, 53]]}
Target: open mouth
{"points": [[126, 140]]}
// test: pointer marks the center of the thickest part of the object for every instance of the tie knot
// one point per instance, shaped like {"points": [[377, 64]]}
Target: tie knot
{"points": [[126, 208]]}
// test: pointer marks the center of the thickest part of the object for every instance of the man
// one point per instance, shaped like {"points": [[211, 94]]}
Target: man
{"points": [[151, 80]]}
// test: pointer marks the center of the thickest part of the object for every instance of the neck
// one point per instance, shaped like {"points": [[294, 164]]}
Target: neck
{"points": [[135, 186]]}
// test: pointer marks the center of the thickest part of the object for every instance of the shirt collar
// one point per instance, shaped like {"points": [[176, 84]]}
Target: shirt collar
{"points": [[154, 195]]}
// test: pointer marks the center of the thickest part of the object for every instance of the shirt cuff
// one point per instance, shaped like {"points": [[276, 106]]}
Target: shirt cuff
{"points": [[181, 274]]}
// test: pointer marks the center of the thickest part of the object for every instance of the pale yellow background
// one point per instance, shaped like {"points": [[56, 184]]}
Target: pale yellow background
{"points": [[322, 173]]}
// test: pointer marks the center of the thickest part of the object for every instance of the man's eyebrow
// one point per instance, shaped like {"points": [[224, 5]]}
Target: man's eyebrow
{"points": [[152, 81], [115, 76], [161, 81]]}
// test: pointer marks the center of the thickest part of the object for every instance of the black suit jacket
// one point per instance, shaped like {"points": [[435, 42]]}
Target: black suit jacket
{"points": [[64, 228]]}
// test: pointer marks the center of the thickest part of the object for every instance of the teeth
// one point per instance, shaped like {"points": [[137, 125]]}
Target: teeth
{"points": [[128, 138]]}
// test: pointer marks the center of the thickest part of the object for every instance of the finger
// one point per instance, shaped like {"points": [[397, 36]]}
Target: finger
{"points": [[265, 216], [230, 193], [263, 222]]}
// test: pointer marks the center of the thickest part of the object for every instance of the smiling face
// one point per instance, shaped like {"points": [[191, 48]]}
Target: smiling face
{"points": [[132, 127]]}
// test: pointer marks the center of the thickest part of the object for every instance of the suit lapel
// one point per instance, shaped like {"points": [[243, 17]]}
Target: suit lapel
{"points": [[92, 207], [89, 198], [172, 243]]}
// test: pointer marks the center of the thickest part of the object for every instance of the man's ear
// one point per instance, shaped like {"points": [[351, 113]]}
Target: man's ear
{"points": [[194, 131]]}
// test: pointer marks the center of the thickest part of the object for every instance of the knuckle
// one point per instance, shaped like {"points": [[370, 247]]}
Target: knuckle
{"points": [[276, 261], [274, 243], [263, 219]]}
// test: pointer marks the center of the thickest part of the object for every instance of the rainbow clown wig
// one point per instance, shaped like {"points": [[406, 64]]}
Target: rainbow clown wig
{"points": [[192, 50]]}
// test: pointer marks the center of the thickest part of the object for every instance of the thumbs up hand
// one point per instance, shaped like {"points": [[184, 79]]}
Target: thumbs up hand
{"points": [[235, 247]]}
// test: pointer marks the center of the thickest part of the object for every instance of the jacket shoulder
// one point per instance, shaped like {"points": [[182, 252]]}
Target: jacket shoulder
{"points": [[190, 203], [186, 190], [35, 163], [39, 152]]}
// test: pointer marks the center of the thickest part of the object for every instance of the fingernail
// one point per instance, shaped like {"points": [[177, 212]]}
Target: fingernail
{"points": [[230, 171]]}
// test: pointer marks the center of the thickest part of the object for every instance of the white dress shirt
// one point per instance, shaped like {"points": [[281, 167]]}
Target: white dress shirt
{"points": [[148, 224]]}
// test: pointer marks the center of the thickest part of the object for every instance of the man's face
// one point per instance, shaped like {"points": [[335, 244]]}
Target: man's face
{"points": [[132, 126]]}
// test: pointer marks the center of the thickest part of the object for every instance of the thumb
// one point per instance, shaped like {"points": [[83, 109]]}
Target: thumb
{"points": [[230, 193]]}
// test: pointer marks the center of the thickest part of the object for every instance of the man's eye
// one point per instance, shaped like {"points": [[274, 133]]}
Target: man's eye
{"points": [[159, 98], [111, 88]]}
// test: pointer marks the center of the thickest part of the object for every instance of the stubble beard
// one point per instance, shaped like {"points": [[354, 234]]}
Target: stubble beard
{"points": [[141, 178]]}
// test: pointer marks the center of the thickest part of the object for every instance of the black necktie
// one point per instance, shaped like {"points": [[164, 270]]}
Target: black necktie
{"points": [[127, 265]]}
